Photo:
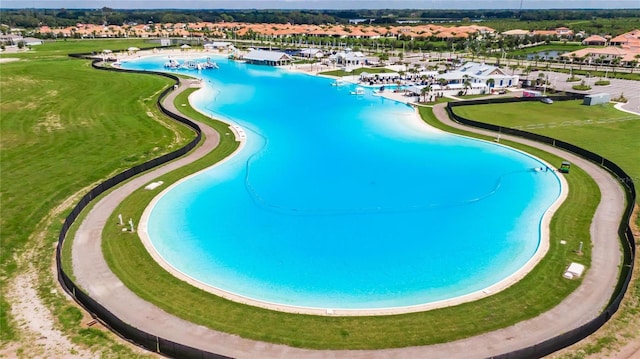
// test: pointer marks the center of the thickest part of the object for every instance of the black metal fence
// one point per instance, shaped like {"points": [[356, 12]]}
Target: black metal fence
{"points": [[624, 231], [97, 311]]}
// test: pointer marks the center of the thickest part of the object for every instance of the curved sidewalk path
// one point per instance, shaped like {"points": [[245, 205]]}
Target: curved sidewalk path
{"points": [[94, 276]]}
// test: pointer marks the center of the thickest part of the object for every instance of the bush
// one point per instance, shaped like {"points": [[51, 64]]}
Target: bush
{"points": [[602, 83], [620, 99], [573, 79], [581, 87]]}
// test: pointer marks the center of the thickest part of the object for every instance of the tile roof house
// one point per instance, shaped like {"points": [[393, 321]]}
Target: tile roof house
{"points": [[516, 32], [607, 55], [629, 39], [594, 40]]}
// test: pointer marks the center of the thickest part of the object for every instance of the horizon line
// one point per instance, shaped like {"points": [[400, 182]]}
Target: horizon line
{"points": [[307, 9]]}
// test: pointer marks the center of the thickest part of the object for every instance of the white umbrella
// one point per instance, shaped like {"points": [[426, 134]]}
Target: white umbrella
{"points": [[132, 48], [107, 51], [185, 46]]}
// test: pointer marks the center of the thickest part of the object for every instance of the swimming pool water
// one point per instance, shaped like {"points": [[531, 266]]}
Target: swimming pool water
{"points": [[344, 201]]}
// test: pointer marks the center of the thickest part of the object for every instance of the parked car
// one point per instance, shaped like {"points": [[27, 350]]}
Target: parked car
{"points": [[546, 100], [502, 92]]}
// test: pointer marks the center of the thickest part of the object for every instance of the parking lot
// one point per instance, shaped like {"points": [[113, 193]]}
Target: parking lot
{"points": [[630, 89]]}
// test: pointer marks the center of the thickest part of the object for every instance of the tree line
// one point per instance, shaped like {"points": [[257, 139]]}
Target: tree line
{"points": [[31, 18]]}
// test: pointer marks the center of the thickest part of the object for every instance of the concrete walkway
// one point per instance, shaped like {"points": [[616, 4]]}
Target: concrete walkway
{"points": [[96, 278]]}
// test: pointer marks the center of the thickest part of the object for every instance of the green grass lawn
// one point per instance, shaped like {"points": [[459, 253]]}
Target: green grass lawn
{"points": [[61, 48], [64, 127], [601, 129], [542, 289]]}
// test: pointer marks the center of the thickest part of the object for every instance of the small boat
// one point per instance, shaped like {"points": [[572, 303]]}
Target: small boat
{"points": [[358, 91]]}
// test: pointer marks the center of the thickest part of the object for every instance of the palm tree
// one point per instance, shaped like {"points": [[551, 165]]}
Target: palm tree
{"points": [[424, 92], [540, 79], [466, 83], [615, 62], [580, 60], [633, 63], [491, 83], [599, 61]]}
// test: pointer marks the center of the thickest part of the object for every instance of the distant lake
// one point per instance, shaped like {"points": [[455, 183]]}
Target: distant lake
{"points": [[544, 55]]}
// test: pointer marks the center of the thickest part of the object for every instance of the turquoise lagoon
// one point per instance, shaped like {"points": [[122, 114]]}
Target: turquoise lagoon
{"points": [[344, 201]]}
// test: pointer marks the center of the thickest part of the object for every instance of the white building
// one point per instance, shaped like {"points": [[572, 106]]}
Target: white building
{"points": [[263, 57], [349, 58], [480, 76], [481, 79], [312, 53]]}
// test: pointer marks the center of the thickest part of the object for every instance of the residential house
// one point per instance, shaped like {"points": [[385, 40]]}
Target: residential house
{"points": [[625, 56], [594, 40], [630, 39], [516, 33]]}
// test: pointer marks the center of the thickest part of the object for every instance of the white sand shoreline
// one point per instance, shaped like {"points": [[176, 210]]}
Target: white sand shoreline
{"points": [[541, 251]]}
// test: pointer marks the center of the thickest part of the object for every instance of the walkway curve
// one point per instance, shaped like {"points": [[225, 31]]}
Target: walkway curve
{"points": [[95, 277]]}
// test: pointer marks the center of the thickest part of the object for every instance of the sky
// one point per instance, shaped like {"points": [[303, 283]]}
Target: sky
{"points": [[323, 4]]}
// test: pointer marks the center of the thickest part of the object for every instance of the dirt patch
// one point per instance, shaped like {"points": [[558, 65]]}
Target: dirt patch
{"points": [[50, 123], [18, 105], [40, 338], [36, 325], [24, 80]]}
